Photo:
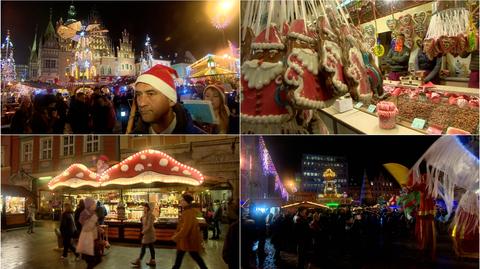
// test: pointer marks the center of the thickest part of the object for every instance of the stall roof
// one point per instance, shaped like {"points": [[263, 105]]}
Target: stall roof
{"points": [[144, 167]]}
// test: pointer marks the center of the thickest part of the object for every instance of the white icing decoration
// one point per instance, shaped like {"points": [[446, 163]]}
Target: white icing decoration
{"points": [[92, 176], [124, 168], [163, 162], [175, 168], [259, 76], [139, 167], [149, 165], [186, 172], [66, 173], [79, 174], [143, 157]]}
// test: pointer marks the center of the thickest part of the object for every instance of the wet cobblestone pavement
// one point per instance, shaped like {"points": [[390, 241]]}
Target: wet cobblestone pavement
{"points": [[39, 251]]}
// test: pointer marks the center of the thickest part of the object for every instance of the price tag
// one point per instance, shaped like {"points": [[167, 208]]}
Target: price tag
{"points": [[371, 108], [358, 105], [418, 123]]}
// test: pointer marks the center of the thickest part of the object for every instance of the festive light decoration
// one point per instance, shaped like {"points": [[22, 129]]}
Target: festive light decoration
{"points": [[220, 13], [147, 57], [75, 176], [7, 62], [146, 166], [269, 168]]}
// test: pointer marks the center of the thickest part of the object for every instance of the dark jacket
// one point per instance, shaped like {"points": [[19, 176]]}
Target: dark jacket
{"points": [[302, 229], [67, 225], [79, 117], [432, 66], [21, 121], [77, 220], [184, 123], [231, 247], [398, 61]]}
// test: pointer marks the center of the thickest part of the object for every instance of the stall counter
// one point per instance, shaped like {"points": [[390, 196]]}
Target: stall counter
{"points": [[129, 231]]}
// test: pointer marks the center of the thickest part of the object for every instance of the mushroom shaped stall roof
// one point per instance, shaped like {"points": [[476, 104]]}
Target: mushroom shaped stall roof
{"points": [[149, 166], [75, 176]]}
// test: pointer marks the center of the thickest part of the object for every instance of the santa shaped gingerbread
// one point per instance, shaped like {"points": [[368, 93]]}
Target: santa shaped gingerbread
{"points": [[263, 105], [302, 71]]}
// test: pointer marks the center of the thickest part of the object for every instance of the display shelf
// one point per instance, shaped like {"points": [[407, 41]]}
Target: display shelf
{"points": [[441, 88]]}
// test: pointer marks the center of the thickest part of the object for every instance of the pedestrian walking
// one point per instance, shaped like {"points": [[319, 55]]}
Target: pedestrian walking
{"points": [[68, 230], [187, 236], [88, 235], [148, 236], [78, 211], [217, 217], [31, 218]]}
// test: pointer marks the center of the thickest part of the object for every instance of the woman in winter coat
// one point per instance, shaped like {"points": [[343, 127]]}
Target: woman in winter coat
{"points": [[187, 236], [148, 232], [89, 233], [68, 230]]}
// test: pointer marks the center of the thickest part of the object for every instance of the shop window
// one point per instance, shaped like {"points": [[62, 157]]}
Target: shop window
{"points": [[46, 148], [68, 145], [27, 151], [91, 144]]}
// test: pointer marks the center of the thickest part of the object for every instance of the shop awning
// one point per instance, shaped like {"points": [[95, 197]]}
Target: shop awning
{"points": [[215, 71], [148, 166]]}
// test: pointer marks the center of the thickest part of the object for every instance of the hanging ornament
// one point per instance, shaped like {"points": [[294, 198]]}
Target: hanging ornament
{"points": [[378, 50]]}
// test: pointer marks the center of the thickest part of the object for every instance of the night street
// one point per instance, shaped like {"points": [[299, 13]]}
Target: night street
{"points": [[39, 250]]}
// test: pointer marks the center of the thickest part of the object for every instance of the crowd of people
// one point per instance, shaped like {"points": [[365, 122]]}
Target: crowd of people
{"points": [[83, 236], [152, 106], [82, 113], [322, 236]]}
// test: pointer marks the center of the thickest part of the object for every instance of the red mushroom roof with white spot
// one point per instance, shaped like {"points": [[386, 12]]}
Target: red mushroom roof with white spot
{"points": [[149, 166], [77, 175]]}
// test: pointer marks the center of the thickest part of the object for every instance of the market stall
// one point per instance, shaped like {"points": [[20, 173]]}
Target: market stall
{"points": [[148, 176], [14, 202], [317, 67]]}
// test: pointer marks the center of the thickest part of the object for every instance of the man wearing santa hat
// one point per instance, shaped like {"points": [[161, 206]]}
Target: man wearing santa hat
{"points": [[156, 99]]}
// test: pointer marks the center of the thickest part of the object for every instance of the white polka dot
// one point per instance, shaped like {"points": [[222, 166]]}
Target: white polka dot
{"points": [[139, 167], [106, 177], [175, 169], [66, 173], [186, 172], [151, 151], [143, 157], [163, 162], [79, 174], [124, 168], [93, 176], [149, 165]]}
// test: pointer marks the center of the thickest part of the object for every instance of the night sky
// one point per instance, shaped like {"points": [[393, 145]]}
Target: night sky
{"points": [[368, 152], [186, 23]]}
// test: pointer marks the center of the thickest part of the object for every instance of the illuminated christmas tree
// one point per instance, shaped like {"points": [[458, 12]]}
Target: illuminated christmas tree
{"points": [[147, 56], [7, 62]]}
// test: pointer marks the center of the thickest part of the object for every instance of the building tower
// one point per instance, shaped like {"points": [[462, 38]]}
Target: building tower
{"points": [[48, 54], [125, 56], [33, 59]]}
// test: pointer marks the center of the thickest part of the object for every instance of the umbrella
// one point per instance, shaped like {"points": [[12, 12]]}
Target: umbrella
{"points": [[398, 171]]}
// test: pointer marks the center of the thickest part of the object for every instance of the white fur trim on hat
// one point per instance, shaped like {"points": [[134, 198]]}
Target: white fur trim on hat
{"points": [[268, 46], [159, 85], [301, 37]]}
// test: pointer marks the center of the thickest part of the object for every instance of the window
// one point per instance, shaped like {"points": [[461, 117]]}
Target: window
{"points": [[91, 144], [27, 151], [48, 63], [68, 145], [46, 148]]}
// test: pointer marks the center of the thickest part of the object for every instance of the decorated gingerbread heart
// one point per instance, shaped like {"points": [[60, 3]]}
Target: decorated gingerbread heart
{"points": [[429, 48], [419, 30], [406, 20], [407, 31], [369, 30], [446, 44], [420, 17], [409, 42], [392, 24]]}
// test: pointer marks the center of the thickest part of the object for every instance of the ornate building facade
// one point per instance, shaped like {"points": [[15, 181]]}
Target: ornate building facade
{"points": [[52, 58]]}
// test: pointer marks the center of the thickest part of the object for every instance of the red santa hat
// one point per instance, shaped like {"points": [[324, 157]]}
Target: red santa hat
{"points": [[273, 41], [161, 78], [299, 31]]}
